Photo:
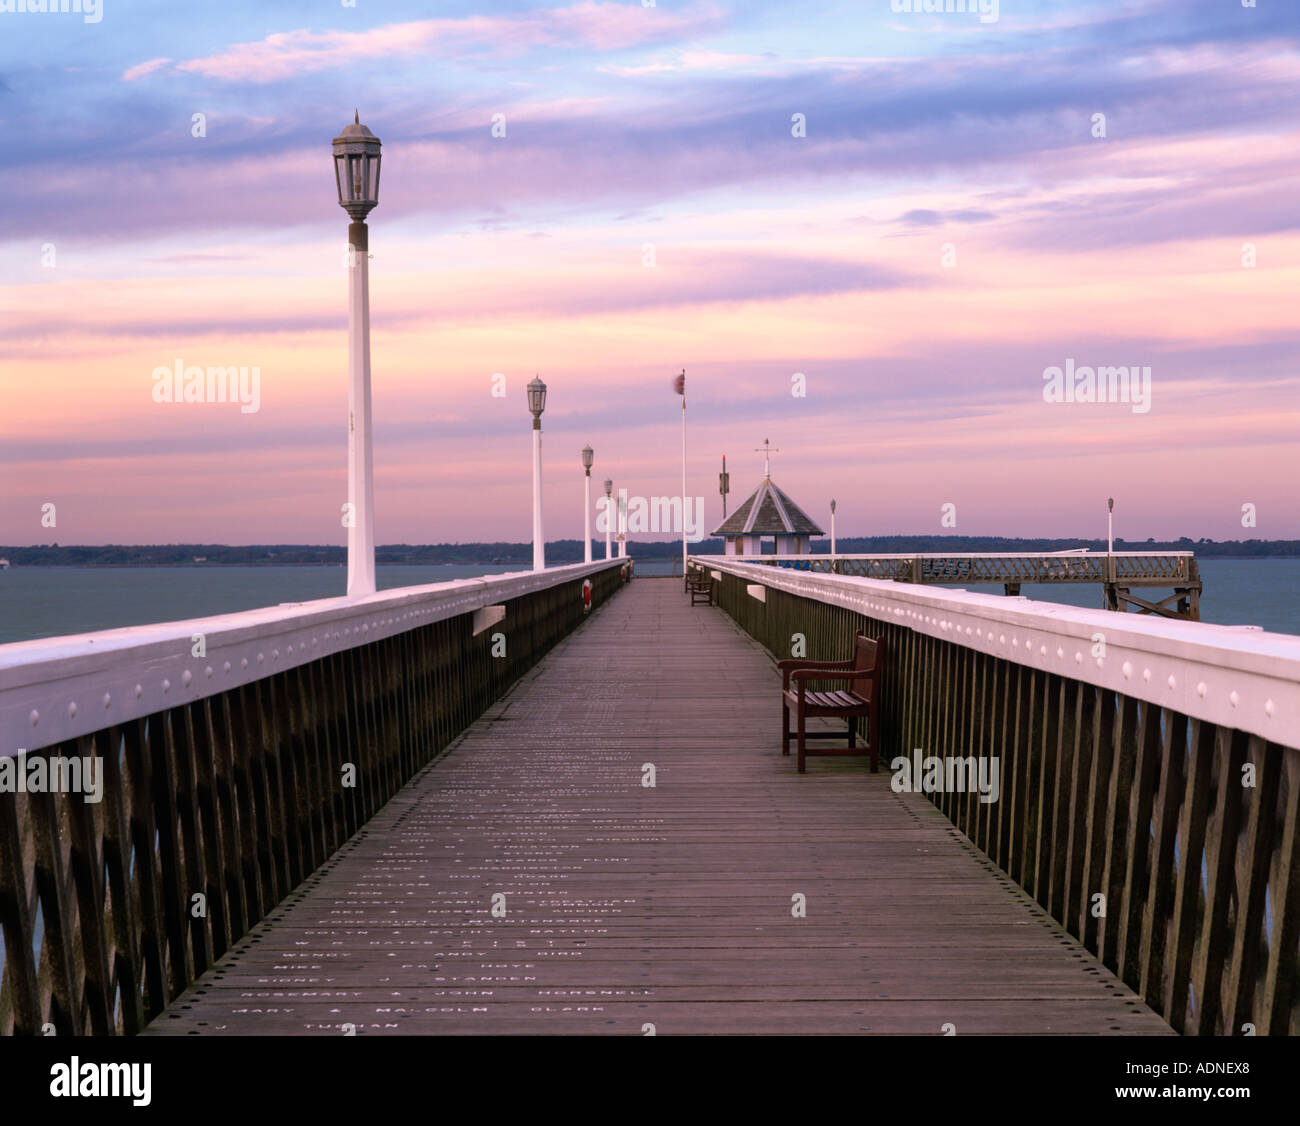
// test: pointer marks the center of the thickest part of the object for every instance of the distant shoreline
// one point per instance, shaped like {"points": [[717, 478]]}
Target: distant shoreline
{"points": [[570, 551]]}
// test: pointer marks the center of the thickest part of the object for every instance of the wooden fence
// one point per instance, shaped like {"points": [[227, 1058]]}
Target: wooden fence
{"points": [[215, 810], [1169, 845]]}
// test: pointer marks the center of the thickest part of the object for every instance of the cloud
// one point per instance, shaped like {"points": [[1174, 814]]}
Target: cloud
{"points": [[143, 70], [590, 24], [233, 307], [923, 217]]}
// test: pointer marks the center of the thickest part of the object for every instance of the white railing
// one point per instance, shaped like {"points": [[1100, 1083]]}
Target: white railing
{"points": [[59, 688], [1069, 552], [1233, 676]]}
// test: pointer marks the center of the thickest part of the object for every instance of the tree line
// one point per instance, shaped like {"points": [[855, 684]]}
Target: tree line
{"points": [[570, 551]]}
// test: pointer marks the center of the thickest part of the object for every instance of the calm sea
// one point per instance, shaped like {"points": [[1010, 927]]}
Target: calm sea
{"points": [[49, 601]]}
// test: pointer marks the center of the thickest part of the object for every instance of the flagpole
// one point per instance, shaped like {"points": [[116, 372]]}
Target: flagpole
{"points": [[684, 501]]}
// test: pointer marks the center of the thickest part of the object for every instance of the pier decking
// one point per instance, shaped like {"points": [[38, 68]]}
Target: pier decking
{"points": [[628, 906]]}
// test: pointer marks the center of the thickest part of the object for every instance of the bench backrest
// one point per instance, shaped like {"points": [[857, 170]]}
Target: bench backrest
{"points": [[868, 655]]}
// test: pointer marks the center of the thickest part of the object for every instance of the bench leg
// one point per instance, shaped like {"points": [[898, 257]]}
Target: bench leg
{"points": [[785, 727], [873, 737], [853, 732], [802, 748]]}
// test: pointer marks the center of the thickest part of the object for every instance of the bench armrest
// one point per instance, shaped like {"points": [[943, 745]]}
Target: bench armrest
{"points": [[791, 663], [803, 675]]}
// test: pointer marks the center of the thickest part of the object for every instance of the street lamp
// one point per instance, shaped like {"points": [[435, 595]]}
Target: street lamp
{"points": [[356, 173], [1112, 594], [832, 528], [609, 516], [587, 458], [622, 523], [537, 404]]}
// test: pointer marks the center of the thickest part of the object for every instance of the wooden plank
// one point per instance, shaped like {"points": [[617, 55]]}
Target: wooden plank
{"points": [[733, 895]]}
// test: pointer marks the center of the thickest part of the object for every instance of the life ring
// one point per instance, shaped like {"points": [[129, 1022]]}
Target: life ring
{"points": [[586, 594]]}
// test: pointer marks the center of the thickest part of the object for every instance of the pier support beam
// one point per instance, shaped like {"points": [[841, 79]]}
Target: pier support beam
{"points": [[1186, 602]]}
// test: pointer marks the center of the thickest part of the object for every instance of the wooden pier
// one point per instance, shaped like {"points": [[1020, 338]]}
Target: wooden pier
{"points": [[668, 908]]}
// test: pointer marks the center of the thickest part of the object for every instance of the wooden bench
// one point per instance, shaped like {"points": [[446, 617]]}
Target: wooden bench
{"points": [[858, 699], [700, 587]]}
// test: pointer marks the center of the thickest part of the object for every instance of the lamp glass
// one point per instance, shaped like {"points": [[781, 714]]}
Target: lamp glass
{"points": [[356, 170], [588, 456], [537, 396]]}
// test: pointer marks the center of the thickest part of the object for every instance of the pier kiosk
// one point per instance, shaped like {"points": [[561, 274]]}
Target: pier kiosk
{"points": [[768, 513]]}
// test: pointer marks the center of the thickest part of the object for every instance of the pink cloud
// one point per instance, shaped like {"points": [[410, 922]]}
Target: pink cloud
{"points": [[143, 70], [602, 26]]}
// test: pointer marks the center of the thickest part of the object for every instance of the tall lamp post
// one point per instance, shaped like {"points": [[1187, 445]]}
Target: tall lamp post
{"points": [[587, 458], [609, 517], [622, 523], [1112, 595], [832, 533], [537, 404], [356, 172]]}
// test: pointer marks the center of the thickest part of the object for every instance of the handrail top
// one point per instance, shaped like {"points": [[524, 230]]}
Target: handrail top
{"points": [[1230, 675], [1016, 609], [455, 595], [58, 688], [1067, 553]]}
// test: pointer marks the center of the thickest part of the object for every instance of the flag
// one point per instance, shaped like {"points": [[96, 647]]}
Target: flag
{"points": [[679, 384]]}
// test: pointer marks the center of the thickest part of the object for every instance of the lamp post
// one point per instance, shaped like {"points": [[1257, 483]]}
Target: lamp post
{"points": [[356, 173], [587, 458], [609, 517], [832, 533], [1112, 594], [622, 523], [537, 404]]}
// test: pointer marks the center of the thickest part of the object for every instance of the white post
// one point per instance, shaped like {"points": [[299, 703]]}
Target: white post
{"points": [[622, 523], [832, 534], [361, 464], [684, 501], [586, 522], [539, 543], [1110, 539], [609, 525]]}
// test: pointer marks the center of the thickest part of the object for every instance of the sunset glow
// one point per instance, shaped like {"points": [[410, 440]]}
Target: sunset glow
{"points": [[950, 226]]}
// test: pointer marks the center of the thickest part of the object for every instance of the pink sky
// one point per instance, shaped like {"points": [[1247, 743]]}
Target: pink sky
{"points": [[773, 255]]}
